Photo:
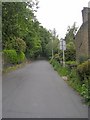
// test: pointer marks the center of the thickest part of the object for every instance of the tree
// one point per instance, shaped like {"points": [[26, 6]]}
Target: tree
{"points": [[22, 31], [70, 53], [15, 19], [16, 43], [45, 37], [71, 32], [52, 45], [19, 22], [12, 16]]}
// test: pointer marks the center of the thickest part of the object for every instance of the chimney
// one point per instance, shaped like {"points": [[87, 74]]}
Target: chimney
{"points": [[85, 12]]}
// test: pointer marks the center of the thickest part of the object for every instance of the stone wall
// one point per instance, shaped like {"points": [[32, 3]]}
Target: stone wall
{"points": [[82, 38], [85, 14]]}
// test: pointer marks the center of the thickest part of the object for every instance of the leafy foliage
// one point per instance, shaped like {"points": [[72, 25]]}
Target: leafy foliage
{"points": [[20, 57], [16, 43], [72, 64], [84, 70], [71, 32], [22, 32], [83, 59], [63, 71], [13, 18], [10, 57], [70, 53], [73, 78]]}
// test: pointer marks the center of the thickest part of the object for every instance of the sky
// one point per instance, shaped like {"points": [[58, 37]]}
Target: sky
{"points": [[60, 14]]}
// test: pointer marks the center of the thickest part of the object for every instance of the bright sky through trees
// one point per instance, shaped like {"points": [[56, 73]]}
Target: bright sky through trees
{"points": [[59, 14]]}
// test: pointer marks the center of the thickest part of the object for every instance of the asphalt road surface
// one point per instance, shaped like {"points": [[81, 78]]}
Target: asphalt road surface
{"points": [[37, 91]]}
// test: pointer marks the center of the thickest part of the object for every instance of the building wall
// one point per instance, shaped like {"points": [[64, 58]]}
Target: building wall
{"points": [[82, 38], [89, 34], [85, 14]]}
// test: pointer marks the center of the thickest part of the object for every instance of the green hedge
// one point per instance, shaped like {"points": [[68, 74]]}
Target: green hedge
{"points": [[63, 71], [84, 70], [11, 57], [82, 59], [20, 57], [71, 64]]}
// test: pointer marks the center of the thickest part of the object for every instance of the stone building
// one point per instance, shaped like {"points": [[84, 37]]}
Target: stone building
{"points": [[82, 38]]}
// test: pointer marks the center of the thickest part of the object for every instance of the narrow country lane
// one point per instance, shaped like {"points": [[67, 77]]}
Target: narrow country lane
{"points": [[37, 91]]}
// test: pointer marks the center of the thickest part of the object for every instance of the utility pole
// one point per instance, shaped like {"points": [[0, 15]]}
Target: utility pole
{"points": [[63, 48], [52, 48], [53, 38], [63, 56]]}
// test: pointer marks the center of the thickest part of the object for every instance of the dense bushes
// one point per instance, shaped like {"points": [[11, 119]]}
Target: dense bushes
{"points": [[16, 43], [79, 79], [57, 57], [70, 52], [63, 71], [83, 58], [20, 57], [11, 57], [75, 76], [13, 52], [71, 64], [82, 88], [84, 70]]}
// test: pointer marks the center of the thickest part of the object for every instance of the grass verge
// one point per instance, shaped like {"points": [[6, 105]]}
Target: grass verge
{"points": [[12, 68]]}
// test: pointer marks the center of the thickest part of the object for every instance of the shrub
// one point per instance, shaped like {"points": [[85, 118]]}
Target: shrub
{"points": [[73, 79], [71, 64], [57, 57], [84, 70], [83, 59], [63, 71], [83, 88], [10, 57], [84, 91], [70, 52], [20, 45], [16, 43], [20, 57]]}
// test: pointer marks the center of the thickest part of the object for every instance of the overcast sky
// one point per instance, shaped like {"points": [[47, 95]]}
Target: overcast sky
{"points": [[60, 14]]}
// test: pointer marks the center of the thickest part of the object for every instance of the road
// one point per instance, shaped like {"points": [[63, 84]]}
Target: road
{"points": [[37, 91]]}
